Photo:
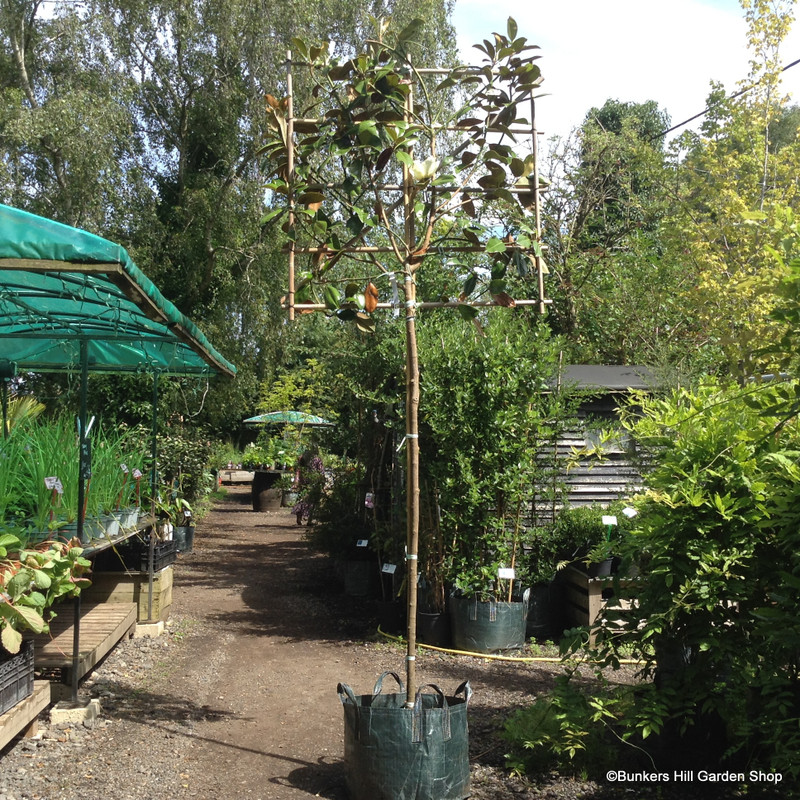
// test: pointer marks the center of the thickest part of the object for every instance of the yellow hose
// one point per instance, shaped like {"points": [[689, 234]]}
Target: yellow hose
{"points": [[493, 657]]}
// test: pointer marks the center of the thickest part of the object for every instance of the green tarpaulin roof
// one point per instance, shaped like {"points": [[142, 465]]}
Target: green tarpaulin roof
{"points": [[61, 285]]}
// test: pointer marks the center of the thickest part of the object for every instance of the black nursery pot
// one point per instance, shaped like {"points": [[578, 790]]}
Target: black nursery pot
{"points": [[433, 628]]}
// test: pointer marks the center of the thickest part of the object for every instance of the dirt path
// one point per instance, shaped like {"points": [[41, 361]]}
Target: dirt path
{"points": [[266, 666]]}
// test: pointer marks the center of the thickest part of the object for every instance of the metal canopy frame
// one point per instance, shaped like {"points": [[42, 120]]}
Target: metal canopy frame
{"points": [[72, 301]]}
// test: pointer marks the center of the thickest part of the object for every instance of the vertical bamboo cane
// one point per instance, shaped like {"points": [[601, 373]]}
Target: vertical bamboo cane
{"points": [[537, 207], [412, 427], [290, 177]]}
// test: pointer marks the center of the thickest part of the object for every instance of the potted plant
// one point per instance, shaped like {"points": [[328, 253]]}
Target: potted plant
{"points": [[487, 469], [175, 519], [399, 140], [32, 580]]}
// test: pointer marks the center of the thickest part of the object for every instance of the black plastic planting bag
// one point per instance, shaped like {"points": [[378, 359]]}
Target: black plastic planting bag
{"points": [[488, 627], [396, 753]]}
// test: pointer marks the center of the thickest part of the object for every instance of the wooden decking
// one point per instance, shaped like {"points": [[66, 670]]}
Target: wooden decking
{"points": [[22, 717], [102, 626]]}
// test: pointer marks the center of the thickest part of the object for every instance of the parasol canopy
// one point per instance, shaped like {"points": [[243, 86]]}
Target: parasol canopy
{"points": [[288, 418]]}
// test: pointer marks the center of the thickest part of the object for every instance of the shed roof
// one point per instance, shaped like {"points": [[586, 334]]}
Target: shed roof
{"points": [[60, 286], [612, 378]]}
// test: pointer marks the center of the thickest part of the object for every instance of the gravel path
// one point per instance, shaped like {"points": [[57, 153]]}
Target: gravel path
{"points": [[238, 699]]}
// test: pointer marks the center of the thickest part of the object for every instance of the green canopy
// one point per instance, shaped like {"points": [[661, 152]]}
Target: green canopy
{"points": [[287, 418], [61, 286]]}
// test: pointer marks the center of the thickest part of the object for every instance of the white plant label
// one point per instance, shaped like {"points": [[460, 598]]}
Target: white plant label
{"points": [[362, 543], [53, 483], [506, 573], [137, 474], [389, 568], [609, 520], [124, 468]]}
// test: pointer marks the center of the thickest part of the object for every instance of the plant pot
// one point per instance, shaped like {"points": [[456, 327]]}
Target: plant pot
{"points": [[128, 518], [109, 524], [605, 568], [16, 676], [288, 499], [397, 753], [488, 626], [183, 536], [266, 496], [359, 577], [544, 612], [391, 616], [433, 628]]}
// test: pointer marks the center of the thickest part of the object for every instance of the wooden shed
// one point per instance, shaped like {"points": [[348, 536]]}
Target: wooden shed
{"points": [[595, 479]]}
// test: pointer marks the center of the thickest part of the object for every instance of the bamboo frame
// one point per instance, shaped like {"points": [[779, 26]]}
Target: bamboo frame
{"points": [[411, 307]]}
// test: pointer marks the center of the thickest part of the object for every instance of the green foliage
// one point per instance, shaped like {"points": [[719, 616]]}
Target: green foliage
{"points": [[183, 458], [341, 518], [31, 581], [715, 619], [487, 410], [568, 731], [362, 107]]}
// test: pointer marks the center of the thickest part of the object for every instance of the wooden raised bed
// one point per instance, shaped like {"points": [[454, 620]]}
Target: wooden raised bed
{"points": [[22, 718], [102, 626], [133, 587]]}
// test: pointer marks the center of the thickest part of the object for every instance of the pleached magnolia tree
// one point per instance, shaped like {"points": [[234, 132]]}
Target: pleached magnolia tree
{"points": [[393, 176]]}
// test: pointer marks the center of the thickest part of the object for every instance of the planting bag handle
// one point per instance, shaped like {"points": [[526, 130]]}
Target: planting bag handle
{"points": [[417, 713], [346, 694], [379, 683], [466, 689]]}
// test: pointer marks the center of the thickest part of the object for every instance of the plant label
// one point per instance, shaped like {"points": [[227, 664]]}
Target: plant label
{"points": [[506, 573], [390, 569], [124, 468], [52, 483], [609, 520], [362, 543], [137, 474]]}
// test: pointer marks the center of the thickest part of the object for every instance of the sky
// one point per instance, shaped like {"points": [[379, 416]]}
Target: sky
{"points": [[629, 50]]}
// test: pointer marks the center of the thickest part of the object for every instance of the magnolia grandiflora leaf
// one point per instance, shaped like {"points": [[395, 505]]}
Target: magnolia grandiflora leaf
{"points": [[424, 170], [383, 159], [365, 323], [469, 285], [370, 297], [467, 206], [332, 296], [504, 299], [467, 312], [410, 30], [511, 28]]}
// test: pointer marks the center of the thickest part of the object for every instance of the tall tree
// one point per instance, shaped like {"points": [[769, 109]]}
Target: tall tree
{"points": [[141, 121], [602, 212], [734, 185]]}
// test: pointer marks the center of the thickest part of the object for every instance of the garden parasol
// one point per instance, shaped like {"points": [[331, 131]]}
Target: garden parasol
{"points": [[288, 418]]}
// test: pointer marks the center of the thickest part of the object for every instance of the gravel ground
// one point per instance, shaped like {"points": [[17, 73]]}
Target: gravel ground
{"points": [[237, 699]]}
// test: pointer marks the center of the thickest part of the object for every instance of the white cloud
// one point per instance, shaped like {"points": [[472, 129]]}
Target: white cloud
{"points": [[630, 50]]}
